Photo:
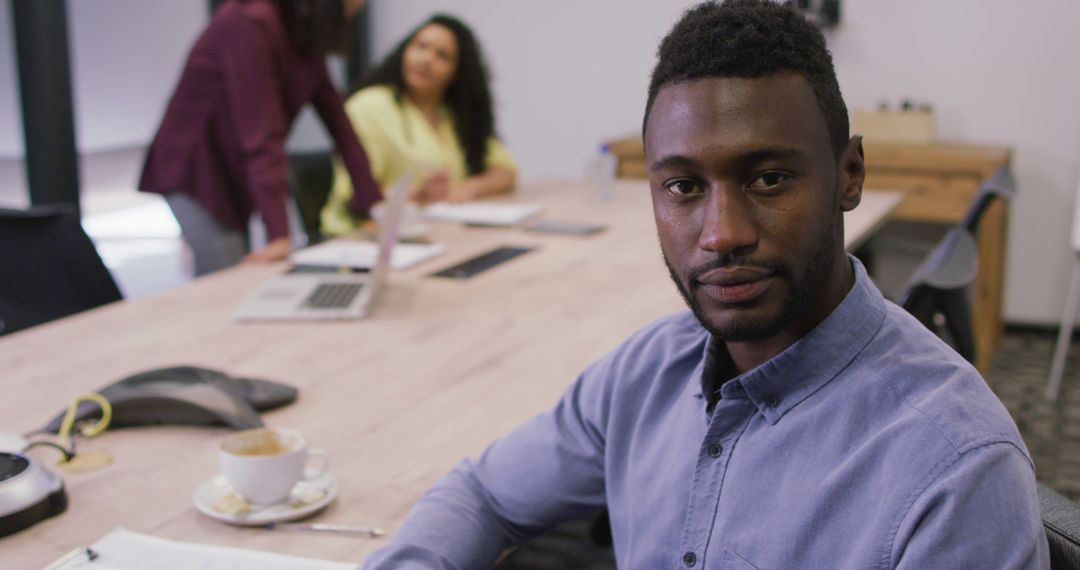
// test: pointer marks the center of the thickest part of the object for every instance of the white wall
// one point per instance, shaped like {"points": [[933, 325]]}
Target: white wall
{"points": [[997, 72], [125, 57], [570, 74], [567, 74]]}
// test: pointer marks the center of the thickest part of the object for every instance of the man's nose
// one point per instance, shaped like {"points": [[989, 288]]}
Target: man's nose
{"points": [[728, 222]]}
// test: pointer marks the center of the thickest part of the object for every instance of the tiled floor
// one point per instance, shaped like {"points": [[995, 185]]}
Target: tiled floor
{"points": [[1051, 431]]}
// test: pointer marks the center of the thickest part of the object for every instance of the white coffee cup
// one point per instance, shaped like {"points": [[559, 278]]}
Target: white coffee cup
{"points": [[264, 464]]}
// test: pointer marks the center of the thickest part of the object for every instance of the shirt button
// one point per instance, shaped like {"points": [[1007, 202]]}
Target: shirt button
{"points": [[772, 401], [689, 559], [714, 450]]}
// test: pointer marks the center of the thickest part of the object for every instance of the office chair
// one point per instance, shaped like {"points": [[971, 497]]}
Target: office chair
{"points": [[936, 293], [48, 268], [311, 176], [1000, 185], [1061, 521]]}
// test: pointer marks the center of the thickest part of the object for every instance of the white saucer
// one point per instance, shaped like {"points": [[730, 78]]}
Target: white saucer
{"points": [[307, 498]]}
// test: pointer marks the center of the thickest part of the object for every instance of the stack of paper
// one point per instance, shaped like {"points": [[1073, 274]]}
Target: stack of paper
{"points": [[362, 254], [482, 213], [125, 550]]}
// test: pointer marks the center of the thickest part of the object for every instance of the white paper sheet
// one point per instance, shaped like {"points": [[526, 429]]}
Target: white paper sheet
{"points": [[482, 213], [362, 254], [122, 549]]}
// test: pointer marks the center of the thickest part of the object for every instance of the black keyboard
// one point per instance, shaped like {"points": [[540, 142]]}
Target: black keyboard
{"points": [[332, 295], [481, 262]]}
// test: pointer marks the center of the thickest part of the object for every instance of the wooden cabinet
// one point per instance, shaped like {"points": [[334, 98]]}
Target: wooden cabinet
{"points": [[938, 182]]}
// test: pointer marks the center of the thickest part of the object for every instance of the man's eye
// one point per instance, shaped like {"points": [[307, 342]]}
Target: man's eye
{"points": [[683, 188], [768, 180]]}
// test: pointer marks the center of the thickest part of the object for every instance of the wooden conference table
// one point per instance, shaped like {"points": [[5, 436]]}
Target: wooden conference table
{"points": [[439, 370]]}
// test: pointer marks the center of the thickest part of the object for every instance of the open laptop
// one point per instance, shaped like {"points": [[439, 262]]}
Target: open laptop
{"points": [[331, 296]]}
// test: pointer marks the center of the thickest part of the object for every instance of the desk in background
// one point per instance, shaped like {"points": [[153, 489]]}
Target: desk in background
{"points": [[440, 369], [938, 182]]}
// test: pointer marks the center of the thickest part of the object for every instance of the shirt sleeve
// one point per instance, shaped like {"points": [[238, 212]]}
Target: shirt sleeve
{"points": [[376, 118], [253, 91], [545, 472], [498, 156], [992, 490], [330, 106], [372, 115]]}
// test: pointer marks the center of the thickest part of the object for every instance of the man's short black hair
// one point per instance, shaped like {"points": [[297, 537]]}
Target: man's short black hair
{"points": [[751, 38]]}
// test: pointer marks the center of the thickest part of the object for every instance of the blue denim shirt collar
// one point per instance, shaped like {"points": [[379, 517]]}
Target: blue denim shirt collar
{"points": [[781, 383]]}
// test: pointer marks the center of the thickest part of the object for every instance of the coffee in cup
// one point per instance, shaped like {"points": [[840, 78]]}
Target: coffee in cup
{"points": [[264, 464]]}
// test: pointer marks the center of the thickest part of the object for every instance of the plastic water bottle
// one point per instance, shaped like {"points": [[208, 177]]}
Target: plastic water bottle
{"points": [[606, 166]]}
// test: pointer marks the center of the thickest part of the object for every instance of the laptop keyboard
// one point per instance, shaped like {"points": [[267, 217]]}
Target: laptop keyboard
{"points": [[333, 295], [483, 262]]}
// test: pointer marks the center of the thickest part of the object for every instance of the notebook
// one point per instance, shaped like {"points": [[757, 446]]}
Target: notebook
{"points": [[482, 214], [122, 549], [308, 296], [363, 254]]}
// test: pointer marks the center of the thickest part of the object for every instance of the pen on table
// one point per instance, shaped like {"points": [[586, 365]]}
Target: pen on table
{"points": [[84, 554], [331, 528]]}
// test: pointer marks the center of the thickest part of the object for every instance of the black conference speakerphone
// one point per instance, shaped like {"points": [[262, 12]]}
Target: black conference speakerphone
{"points": [[481, 263]]}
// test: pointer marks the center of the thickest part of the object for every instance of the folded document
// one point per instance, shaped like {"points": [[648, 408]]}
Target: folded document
{"points": [[486, 214], [122, 549], [362, 254]]}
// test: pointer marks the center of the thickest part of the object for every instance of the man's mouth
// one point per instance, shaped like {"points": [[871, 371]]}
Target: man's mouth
{"points": [[731, 285]]}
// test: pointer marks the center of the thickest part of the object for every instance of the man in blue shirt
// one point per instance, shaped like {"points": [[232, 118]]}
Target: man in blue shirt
{"points": [[793, 418]]}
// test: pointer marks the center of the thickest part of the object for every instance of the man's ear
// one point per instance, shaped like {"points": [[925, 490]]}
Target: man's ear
{"points": [[852, 174]]}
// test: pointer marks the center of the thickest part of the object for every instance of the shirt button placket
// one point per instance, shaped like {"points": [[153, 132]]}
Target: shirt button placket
{"points": [[689, 559]]}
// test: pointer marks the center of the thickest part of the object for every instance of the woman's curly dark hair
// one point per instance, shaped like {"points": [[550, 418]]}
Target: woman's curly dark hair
{"points": [[751, 38], [468, 96]]}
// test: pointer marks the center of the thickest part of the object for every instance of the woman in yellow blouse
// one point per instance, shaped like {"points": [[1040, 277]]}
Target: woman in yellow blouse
{"points": [[427, 108]]}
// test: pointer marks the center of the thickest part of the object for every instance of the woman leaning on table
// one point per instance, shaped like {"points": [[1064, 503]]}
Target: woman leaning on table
{"points": [[219, 154], [427, 109]]}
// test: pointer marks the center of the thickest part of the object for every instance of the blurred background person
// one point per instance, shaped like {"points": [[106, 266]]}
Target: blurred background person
{"points": [[427, 108], [219, 153]]}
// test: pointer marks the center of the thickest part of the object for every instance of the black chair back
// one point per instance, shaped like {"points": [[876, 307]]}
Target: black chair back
{"points": [[312, 174], [48, 268], [936, 294], [1001, 184], [1061, 520]]}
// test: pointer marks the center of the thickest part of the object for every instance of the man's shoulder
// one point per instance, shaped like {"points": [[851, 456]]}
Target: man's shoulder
{"points": [[675, 340], [936, 388]]}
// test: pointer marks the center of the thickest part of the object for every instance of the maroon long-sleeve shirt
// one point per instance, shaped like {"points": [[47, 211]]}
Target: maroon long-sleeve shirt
{"points": [[222, 140]]}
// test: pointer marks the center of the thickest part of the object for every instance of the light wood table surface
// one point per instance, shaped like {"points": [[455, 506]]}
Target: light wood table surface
{"points": [[440, 369]]}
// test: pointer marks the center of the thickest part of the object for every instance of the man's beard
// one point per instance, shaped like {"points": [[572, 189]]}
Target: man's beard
{"points": [[802, 292]]}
